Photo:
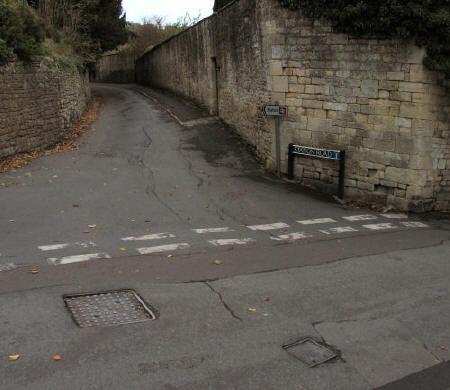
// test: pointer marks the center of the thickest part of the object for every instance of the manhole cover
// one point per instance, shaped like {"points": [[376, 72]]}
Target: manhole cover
{"points": [[310, 352], [108, 308]]}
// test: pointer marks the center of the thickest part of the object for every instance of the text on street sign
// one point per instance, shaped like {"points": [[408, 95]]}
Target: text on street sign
{"points": [[275, 110]]}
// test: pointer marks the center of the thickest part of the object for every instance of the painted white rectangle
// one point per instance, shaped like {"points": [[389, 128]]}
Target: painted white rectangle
{"points": [[395, 216], [364, 217], [213, 230], [163, 248], [55, 247], [78, 258], [337, 230], [8, 267], [380, 226], [415, 224], [291, 236], [232, 241], [271, 226], [148, 237], [316, 221]]}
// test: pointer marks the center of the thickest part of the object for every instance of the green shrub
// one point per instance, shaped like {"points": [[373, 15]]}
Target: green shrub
{"points": [[21, 32], [425, 21]]}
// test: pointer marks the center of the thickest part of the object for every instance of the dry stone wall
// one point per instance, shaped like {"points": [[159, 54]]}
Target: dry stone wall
{"points": [[39, 102], [372, 98]]}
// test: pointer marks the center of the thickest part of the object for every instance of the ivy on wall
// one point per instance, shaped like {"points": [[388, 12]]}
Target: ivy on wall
{"points": [[427, 22]]}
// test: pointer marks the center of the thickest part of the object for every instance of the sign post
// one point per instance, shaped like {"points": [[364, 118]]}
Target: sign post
{"points": [[306, 151], [276, 111]]}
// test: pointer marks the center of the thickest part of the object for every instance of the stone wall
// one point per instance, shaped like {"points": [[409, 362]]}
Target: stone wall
{"points": [[39, 102], [372, 98], [220, 64], [115, 68]]}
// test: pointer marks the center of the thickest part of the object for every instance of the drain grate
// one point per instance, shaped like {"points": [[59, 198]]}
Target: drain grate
{"points": [[310, 352], [109, 308]]}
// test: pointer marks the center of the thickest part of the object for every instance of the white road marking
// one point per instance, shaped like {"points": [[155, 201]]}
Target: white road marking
{"points": [[271, 226], [291, 236], [147, 237], [163, 248], [317, 220], [415, 224], [395, 216], [232, 241], [8, 267], [363, 217], [213, 230], [55, 247], [344, 229], [77, 258], [380, 226]]}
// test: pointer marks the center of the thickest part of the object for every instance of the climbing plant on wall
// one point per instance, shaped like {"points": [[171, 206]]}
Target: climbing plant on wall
{"points": [[425, 21]]}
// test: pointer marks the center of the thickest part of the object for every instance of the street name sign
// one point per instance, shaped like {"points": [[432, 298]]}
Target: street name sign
{"points": [[316, 152], [307, 151], [275, 110]]}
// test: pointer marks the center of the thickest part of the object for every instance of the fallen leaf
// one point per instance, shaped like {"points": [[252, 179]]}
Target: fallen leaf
{"points": [[86, 231], [62, 211], [57, 357], [132, 219], [218, 262], [170, 256], [92, 226], [50, 181], [12, 220], [75, 205], [33, 271], [300, 387], [265, 299], [13, 358], [251, 309], [55, 176], [123, 249], [443, 347]]}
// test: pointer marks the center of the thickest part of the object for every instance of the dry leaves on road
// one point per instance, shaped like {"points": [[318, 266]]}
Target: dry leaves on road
{"points": [[57, 357], [252, 309], [13, 358], [68, 142]]}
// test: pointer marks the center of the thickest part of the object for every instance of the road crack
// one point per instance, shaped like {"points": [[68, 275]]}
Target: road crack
{"points": [[224, 304]]}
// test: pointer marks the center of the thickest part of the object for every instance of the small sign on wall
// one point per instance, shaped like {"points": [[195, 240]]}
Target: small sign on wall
{"points": [[275, 110]]}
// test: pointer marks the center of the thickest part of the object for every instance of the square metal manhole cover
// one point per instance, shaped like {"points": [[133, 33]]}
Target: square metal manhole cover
{"points": [[109, 308], [310, 352]]}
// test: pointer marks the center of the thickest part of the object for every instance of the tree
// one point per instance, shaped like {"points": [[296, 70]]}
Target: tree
{"points": [[218, 4], [105, 22]]}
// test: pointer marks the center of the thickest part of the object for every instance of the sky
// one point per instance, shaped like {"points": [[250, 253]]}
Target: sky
{"points": [[170, 9]]}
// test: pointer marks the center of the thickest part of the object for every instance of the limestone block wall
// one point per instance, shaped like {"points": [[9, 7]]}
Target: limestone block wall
{"points": [[372, 98], [39, 102], [115, 68]]}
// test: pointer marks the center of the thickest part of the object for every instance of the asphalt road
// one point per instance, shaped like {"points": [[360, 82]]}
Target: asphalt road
{"points": [[187, 217]]}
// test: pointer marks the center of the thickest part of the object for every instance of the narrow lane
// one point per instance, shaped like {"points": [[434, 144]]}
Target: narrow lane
{"points": [[142, 184]]}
